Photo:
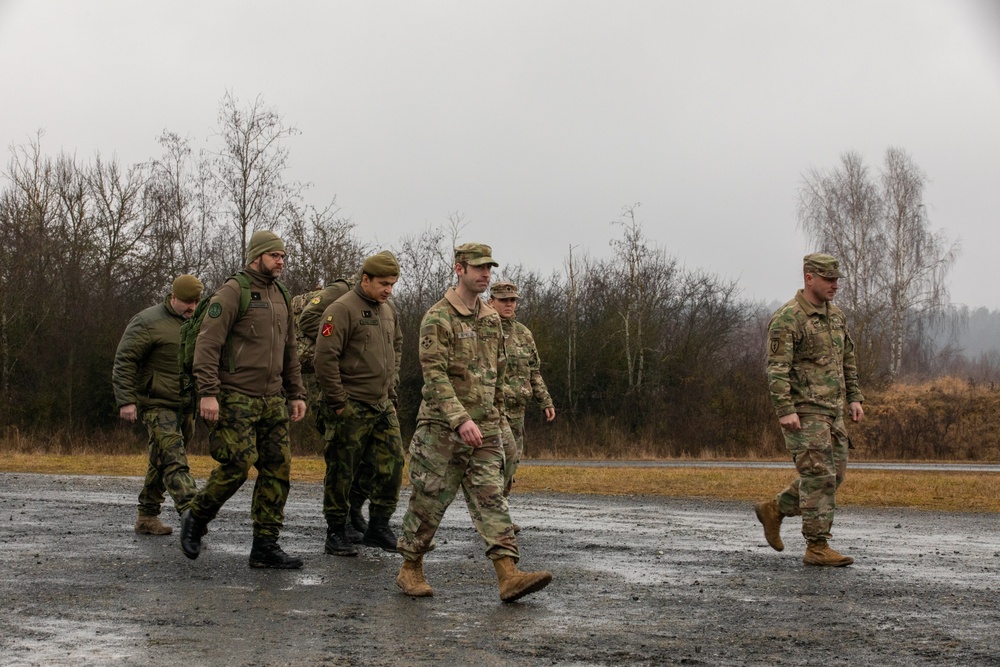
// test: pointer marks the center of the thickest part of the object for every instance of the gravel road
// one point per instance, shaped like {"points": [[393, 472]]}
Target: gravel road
{"points": [[638, 581]]}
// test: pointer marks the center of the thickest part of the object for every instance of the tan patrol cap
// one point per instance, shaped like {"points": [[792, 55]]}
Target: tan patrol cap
{"points": [[821, 265], [476, 254]]}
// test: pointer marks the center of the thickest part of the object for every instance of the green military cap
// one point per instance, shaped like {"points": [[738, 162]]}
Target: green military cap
{"points": [[504, 290], [381, 265], [264, 241], [821, 265], [187, 288], [476, 254]]}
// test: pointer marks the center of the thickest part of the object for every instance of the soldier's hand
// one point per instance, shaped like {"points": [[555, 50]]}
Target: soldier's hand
{"points": [[470, 434], [790, 422], [550, 413], [298, 409], [128, 412], [209, 408], [856, 411]]}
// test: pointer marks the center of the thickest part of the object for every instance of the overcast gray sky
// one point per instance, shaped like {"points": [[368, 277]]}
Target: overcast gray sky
{"points": [[538, 121]]}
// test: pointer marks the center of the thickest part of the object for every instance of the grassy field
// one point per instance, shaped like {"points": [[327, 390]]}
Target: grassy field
{"points": [[947, 491]]}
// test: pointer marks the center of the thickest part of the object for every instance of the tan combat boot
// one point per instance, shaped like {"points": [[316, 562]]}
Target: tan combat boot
{"points": [[820, 553], [515, 584], [411, 579], [770, 516], [151, 525]]}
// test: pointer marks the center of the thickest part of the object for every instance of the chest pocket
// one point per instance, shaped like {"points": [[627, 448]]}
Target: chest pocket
{"points": [[817, 343]]}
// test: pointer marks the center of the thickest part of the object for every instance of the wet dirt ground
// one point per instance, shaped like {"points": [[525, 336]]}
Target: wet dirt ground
{"points": [[637, 581]]}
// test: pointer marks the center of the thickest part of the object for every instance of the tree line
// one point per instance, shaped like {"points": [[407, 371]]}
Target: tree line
{"points": [[636, 348]]}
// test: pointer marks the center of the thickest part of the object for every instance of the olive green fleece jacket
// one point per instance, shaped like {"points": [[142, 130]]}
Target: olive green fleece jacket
{"points": [[263, 343], [359, 346]]}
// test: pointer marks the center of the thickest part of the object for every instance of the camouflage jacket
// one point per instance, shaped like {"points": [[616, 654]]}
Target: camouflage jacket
{"points": [[811, 367], [263, 340], [145, 371], [462, 357], [523, 378], [358, 350]]}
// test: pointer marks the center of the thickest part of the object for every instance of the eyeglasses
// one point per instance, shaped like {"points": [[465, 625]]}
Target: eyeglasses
{"points": [[276, 255]]}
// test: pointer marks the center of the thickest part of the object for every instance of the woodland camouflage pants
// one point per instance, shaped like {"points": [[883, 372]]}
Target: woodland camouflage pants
{"points": [[168, 466], [362, 438], [251, 432]]}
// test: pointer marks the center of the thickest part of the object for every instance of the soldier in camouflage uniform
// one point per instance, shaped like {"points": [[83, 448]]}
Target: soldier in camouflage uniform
{"points": [[307, 326], [457, 443], [812, 374], [146, 380], [523, 379], [358, 351], [247, 375]]}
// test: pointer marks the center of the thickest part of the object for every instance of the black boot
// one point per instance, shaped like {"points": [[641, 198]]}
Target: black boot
{"points": [[266, 553], [192, 528], [358, 520], [337, 543], [354, 536], [380, 535]]}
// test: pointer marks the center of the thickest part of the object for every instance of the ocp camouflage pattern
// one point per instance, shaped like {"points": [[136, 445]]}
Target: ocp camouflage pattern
{"points": [[811, 367]]}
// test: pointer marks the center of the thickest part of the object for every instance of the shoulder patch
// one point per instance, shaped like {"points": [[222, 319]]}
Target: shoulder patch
{"points": [[775, 344], [215, 310], [327, 329], [315, 300]]}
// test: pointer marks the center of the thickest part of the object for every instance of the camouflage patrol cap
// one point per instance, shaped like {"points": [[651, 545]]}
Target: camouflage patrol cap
{"points": [[476, 254], [821, 265], [504, 290]]}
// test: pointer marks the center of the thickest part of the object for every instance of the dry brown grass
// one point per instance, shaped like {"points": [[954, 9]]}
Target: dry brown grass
{"points": [[943, 491]]}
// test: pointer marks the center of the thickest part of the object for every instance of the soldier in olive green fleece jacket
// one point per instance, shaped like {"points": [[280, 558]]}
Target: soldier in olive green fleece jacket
{"points": [[358, 352], [146, 381], [247, 374]]}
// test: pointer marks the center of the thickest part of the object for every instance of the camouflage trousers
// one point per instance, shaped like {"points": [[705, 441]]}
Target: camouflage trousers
{"points": [[362, 435], [820, 454], [251, 432], [511, 451], [440, 464], [361, 488], [168, 466]]}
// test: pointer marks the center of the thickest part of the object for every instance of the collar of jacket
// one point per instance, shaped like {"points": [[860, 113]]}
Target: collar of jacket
{"points": [[361, 292], [170, 309], [483, 309], [807, 306], [258, 277]]}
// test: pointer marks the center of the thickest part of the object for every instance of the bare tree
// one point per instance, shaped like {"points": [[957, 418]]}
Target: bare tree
{"points": [[895, 265], [249, 169], [323, 247]]}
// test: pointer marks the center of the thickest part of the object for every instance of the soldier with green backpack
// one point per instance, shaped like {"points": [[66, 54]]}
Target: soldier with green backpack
{"points": [[249, 387]]}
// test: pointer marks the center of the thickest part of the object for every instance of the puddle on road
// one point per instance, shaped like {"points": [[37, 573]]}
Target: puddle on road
{"points": [[56, 641]]}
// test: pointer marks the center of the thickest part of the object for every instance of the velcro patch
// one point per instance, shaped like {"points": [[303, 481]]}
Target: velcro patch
{"points": [[315, 300], [215, 310], [775, 345], [327, 329]]}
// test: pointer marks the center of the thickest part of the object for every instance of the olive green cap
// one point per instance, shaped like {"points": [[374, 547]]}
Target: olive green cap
{"points": [[476, 254], [821, 265], [381, 265], [187, 288], [264, 241]]}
